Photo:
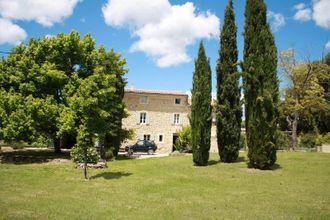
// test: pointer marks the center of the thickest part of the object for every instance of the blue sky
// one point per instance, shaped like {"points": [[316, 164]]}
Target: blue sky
{"points": [[134, 27]]}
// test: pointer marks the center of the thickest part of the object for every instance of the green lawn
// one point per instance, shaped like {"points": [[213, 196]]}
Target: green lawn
{"points": [[169, 188]]}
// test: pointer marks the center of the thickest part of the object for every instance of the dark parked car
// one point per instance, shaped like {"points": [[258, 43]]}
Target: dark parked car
{"points": [[141, 146]]}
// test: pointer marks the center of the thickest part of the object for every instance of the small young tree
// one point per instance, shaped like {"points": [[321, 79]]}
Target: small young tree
{"points": [[229, 111], [201, 110], [260, 86]]}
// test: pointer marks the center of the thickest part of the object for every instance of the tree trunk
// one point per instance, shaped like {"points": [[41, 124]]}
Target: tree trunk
{"points": [[57, 146], [294, 132], [85, 164]]}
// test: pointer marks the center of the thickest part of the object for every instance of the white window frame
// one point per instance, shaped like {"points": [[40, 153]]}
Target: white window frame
{"points": [[144, 100], [143, 120], [176, 119]]}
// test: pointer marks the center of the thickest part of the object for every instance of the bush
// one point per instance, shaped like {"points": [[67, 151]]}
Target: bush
{"points": [[326, 138], [284, 141], [242, 141], [183, 143], [78, 157], [109, 153], [310, 140]]}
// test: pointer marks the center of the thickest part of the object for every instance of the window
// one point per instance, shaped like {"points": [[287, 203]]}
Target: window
{"points": [[176, 119], [177, 101], [144, 100], [146, 137], [143, 117], [140, 143], [160, 139]]}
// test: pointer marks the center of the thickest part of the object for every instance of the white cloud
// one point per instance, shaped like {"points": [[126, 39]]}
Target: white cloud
{"points": [[164, 31], [136, 13], [303, 15], [277, 20], [43, 12], [11, 33], [321, 13], [327, 45], [300, 6]]}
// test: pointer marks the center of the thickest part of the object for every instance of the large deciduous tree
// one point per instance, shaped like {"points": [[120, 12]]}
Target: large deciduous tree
{"points": [[305, 97], [201, 110], [52, 86], [229, 111], [260, 86]]}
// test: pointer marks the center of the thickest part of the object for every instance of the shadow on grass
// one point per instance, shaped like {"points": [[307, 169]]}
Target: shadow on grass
{"points": [[111, 175], [276, 167], [124, 157], [32, 156], [273, 168], [212, 162], [240, 159]]}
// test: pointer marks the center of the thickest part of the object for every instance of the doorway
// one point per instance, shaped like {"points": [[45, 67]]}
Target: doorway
{"points": [[175, 137]]}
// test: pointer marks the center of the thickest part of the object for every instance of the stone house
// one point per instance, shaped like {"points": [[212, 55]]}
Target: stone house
{"points": [[158, 116]]}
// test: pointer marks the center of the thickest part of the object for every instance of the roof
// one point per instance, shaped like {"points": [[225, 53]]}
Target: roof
{"points": [[156, 92]]}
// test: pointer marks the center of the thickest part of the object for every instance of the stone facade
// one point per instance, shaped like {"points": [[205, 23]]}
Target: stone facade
{"points": [[158, 116]]}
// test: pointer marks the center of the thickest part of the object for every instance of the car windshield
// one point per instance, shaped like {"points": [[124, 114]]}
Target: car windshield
{"points": [[140, 143]]}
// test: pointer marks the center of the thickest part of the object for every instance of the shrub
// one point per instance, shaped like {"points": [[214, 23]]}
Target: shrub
{"points": [[183, 143], [78, 157], [326, 138], [310, 140], [109, 153], [242, 141], [284, 141]]}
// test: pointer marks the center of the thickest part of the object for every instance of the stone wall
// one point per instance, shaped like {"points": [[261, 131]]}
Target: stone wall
{"points": [[160, 109]]}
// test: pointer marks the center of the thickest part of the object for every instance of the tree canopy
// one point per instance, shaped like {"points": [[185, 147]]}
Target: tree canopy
{"points": [[54, 87], [201, 110], [260, 86], [229, 112]]}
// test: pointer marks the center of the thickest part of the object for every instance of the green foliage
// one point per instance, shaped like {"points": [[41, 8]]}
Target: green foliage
{"points": [[242, 142], [77, 155], [326, 138], [260, 86], [183, 143], [52, 86], [201, 110], [284, 141], [229, 112], [305, 95], [309, 140]]}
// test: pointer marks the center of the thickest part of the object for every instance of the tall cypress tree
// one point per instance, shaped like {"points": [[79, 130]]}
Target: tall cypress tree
{"points": [[260, 86], [201, 111], [229, 112]]}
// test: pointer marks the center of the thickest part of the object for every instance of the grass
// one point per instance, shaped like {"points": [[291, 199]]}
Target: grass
{"points": [[169, 188]]}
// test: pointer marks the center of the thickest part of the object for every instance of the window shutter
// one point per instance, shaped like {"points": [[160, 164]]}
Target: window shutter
{"points": [[147, 118], [138, 118]]}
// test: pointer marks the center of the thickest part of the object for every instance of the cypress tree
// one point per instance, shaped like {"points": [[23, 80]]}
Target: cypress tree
{"points": [[229, 113], [201, 111], [260, 86]]}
